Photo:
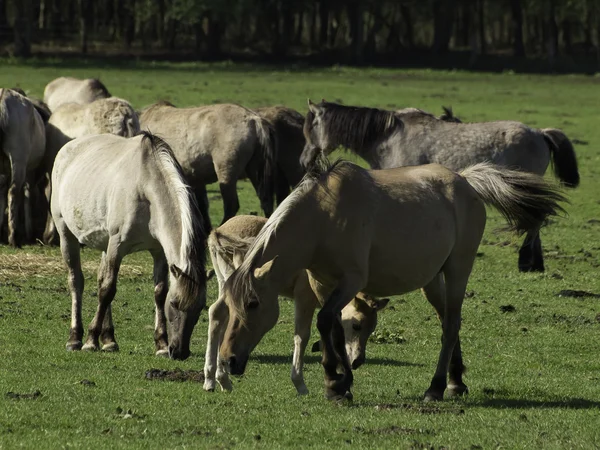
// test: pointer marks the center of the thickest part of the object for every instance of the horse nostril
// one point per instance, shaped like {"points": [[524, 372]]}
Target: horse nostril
{"points": [[232, 362]]}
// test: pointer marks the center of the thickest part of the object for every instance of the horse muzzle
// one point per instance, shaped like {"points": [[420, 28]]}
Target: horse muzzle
{"points": [[178, 353], [237, 364]]}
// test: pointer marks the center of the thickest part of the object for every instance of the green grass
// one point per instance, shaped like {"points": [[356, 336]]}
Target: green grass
{"points": [[534, 374]]}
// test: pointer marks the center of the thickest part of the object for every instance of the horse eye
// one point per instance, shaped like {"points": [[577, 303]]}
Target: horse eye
{"points": [[252, 303], [356, 327]]}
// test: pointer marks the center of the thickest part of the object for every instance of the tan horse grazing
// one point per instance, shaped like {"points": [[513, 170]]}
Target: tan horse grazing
{"points": [[410, 137], [122, 196], [72, 120], [22, 142], [288, 125], [72, 90], [382, 232], [228, 245], [218, 143]]}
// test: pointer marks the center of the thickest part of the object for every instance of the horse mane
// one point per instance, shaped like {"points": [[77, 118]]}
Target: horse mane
{"points": [[356, 127], [240, 284], [226, 245], [97, 85], [193, 237]]}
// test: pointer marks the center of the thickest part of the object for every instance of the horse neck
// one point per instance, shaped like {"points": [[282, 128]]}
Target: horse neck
{"points": [[167, 216]]}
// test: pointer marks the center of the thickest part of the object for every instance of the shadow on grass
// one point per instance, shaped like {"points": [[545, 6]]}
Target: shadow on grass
{"points": [[285, 359], [514, 403]]}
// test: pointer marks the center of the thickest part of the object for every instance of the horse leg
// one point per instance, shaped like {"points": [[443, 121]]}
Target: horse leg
{"points": [[530, 253], [107, 288], [456, 284], [282, 187], [27, 208], [161, 287], [266, 200], [69, 247], [328, 323], [15, 202], [435, 292], [231, 203], [50, 236], [305, 303], [203, 205], [218, 317], [3, 198]]}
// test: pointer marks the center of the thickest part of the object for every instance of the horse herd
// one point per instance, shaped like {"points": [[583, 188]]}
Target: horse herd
{"points": [[87, 169]]}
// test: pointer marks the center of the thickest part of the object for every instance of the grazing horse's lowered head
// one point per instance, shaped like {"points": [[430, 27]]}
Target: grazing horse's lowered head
{"points": [[329, 125]]}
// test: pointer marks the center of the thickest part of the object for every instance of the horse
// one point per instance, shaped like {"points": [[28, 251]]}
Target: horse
{"points": [[23, 142], [381, 232], [227, 245], [218, 143], [387, 139], [72, 120], [72, 90], [288, 125], [124, 195]]}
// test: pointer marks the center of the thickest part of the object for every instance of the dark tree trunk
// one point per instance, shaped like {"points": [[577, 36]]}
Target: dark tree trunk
{"points": [[214, 36], [22, 27], [324, 22], [409, 36], [481, 26], [86, 10], [356, 19], [517, 17], [128, 24], [465, 25], [567, 36], [299, 29], [3, 21], [288, 28], [551, 33], [443, 19]]}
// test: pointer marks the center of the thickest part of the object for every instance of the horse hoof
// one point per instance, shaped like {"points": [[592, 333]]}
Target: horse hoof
{"points": [[89, 347], [110, 347], [457, 390], [74, 346], [163, 352], [433, 397], [302, 390], [209, 385]]}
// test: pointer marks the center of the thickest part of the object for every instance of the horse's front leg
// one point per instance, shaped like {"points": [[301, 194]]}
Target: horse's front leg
{"points": [[161, 287], [218, 316], [337, 386], [107, 288], [305, 304], [531, 258]]}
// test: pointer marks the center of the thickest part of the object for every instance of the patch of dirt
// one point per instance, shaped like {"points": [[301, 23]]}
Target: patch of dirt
{"points": [[386, 337], [393, 429], [27, 265], [15, 396], [175, 375], [420, 408], [579, 141], [507, 308], [577, 293], [87, 383]]}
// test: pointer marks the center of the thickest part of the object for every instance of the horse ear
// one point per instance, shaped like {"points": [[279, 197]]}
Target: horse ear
{"points": [[263, 272], [175, 271], [312, 107], [323, 100], [377, 305]]}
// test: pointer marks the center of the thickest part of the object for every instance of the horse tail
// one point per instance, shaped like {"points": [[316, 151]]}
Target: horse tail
{"points": [[524, 199], [564, 159], [266, 163], [130, 123]]}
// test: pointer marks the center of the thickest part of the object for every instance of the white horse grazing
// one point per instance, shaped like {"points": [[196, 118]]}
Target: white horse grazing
{"points": [[121, 196], [72, 120], [228, 245], [72, 90], [22, 141]]}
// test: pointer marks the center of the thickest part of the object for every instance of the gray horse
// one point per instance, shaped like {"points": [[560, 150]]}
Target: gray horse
{"points": [[410, 137], [72, 120], [218, 143], [22, 142], [72, 90], [122, 196], [288, 125]]}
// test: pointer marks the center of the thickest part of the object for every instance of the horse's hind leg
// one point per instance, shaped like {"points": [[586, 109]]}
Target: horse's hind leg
{"points": [[203, 205], [305, 303], [231, 203], [3, 198], [530, 253], [435, 292], [69, 247], [107, 288], [161, 287], [15, 202], [456, 274]]}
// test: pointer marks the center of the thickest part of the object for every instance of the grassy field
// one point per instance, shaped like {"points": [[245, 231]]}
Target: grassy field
{"points": [[534, 370]]}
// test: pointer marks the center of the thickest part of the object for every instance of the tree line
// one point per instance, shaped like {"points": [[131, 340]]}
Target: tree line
{"points": [[353, 31]]}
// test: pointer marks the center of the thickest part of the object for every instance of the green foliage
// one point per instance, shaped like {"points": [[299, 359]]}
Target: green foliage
{"points": [[533, 372]]}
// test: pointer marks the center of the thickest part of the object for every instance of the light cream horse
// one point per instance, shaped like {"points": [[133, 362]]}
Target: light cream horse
{"points": [[122, 196], [382, 232], [73, 90], [228, 245], [218, 143], [23, 142], [72, 120]]}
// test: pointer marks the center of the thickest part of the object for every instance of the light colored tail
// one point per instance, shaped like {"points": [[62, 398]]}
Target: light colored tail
{"points": [[524, 199], [564, 159]]}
